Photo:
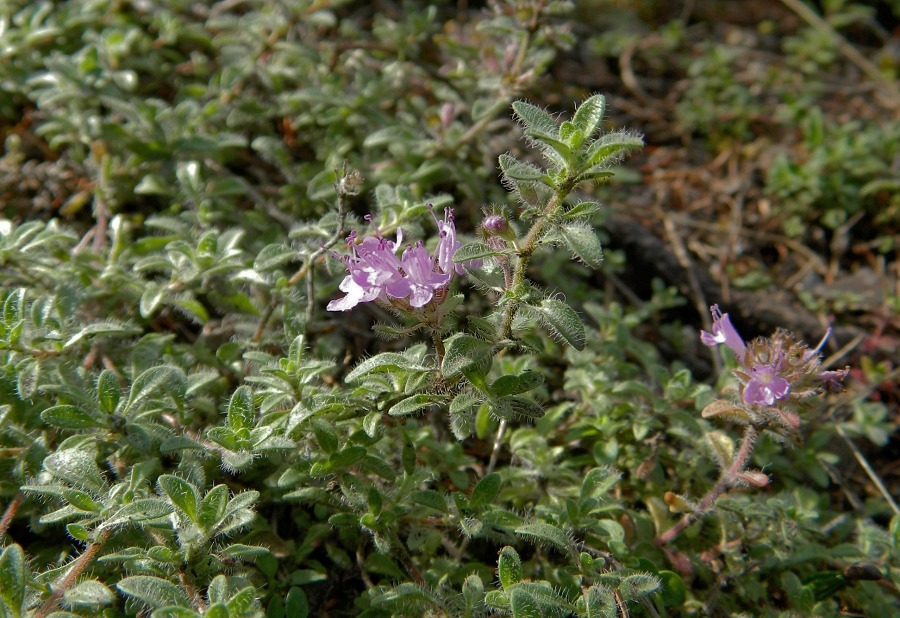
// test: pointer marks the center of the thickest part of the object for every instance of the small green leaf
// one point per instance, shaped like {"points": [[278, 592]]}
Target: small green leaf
{"points": [[28, 373], [70, 417], [153, 591], [212, 508], [463, 402], [408, 457], [523, 605], [674, 590], [611, 148], [326, 436], [108, 391], [464, 352], [589, 115], [239, 550], [347, 457], [547, 534], [638, 585], [14, 307], [514, 169], [77, 468], [78, 532], [165, 378], [555, 149], [295, 603], [584, 244], [90, 593], [151, 299], [474, 251], [273, 256], [516, 384], [473, 593], [82, 500], [175, 612], [12, 578], [597, 482], [581, 210], [386, 361], [181, 493], [241, 412], [597, 602], [216, 610], [571, 135], [98, 329], [509, 567], [192, 308], [431, 499], [533, 117], [139, 511], [485, 491], [562, 321], [723, 447], [414, 404], [371, 424]]}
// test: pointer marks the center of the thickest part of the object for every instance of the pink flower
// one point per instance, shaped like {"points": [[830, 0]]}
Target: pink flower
{"points": [[774, 368], [724, 332], [765, 386], [421, 280], [375, 271], [372, 267]]}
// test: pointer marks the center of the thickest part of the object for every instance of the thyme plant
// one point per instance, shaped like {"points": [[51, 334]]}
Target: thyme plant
{"points": [[262, 356]]}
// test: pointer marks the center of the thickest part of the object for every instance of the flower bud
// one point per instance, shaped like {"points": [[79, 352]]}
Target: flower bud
{"points": [[494, 224]]}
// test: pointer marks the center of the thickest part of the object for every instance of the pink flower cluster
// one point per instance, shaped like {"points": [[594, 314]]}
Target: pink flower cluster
{"points": [[376, 273], [771, 369]]}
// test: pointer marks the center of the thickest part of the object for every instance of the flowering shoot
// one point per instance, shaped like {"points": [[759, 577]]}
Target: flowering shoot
{"points": [[375, 273]]}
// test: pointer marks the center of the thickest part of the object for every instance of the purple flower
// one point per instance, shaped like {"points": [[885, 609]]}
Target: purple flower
{"points": [[375, 271], [448, 245], [724, 332], [372, 267], [775, 368], [765, 386], [421, 280]]}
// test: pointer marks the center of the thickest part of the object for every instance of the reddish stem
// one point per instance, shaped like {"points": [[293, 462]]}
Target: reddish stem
{"points": [[726, 481], [10, 512], [78, 567]]}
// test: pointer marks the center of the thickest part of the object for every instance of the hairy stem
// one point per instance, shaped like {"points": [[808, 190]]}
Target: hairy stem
{"points": [[725, 482], [77, 569], [10, 512]]}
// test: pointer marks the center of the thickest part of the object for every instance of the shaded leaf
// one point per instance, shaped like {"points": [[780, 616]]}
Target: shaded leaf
{"points": [[474, 251], [584, 244], [153, 591], [12, 578], [485, 491], [241, 412], [70, 417], [509, 567], [414, 404], [562, 321]]}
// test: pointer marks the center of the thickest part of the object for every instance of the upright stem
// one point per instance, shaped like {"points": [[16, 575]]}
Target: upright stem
{"points": [[438, 346], [495, 452], [525, 250], [726, 481]]}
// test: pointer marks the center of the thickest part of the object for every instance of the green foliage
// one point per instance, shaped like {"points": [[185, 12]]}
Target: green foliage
{"points": [[837, 174], [186, 432]]}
